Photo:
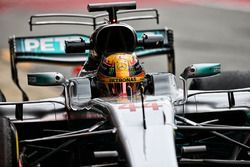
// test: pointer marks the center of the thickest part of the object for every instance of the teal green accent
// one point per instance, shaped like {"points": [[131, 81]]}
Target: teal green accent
{"points": [[150, 52], [111, 71], [48, 49], [132, 71], [248, 119], [207, 69], [155, 32], [141, 52], [51, 48], [40, 80], [45, 79], [45, 44]]}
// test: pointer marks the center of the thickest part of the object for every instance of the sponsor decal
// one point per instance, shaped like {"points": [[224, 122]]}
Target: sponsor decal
{"points": [[47, 44], [122, 66], [53, 44], [130, 79]]}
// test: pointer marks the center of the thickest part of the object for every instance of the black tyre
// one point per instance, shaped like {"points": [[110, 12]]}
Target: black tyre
{"points": [[2, 97], [224, 81], [8, 149]]}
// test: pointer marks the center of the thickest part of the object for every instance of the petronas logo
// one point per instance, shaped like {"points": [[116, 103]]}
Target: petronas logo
{"points": [[122, 80]]}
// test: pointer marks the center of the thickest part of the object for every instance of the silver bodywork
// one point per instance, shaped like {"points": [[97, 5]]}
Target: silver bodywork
{"points": [[143, 147], [153, 146]]}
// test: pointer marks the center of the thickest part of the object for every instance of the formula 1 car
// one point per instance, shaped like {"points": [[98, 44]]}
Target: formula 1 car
{"points": [[159, 126]]}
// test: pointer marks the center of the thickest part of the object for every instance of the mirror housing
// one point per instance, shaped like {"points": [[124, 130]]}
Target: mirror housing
{"points": [[201, 70], [46, 79], [150, 41], [76, 46], [197, 71]]}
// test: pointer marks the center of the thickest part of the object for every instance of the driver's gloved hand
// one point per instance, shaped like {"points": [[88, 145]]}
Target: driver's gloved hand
{"points": [[93, 61], [92, 64]]}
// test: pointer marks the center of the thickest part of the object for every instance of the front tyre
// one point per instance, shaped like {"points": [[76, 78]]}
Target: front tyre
{"points": [[8, 144]]}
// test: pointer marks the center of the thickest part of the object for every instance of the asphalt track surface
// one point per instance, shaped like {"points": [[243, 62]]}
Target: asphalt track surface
{"points": [[206, 31]]}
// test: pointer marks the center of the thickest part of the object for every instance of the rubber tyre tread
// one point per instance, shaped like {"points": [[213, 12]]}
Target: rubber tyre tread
{"points": [[6, 144], [2, 97], [224, 81]]}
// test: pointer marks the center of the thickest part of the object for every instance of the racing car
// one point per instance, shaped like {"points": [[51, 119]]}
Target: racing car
{"points": [[114, 113]]}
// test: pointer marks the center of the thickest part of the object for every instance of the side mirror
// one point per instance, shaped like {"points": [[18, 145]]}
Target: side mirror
{"points": [[50, 79], [152, 41], [76, 46], [197, 71], [46, 79], [201, 70]]}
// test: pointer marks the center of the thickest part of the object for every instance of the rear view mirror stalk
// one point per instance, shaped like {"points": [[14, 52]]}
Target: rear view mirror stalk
{"points": [[185, 91], [50, 79], [197, 71]]}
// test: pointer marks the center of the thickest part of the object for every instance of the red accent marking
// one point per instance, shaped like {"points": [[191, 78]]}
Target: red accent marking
{"points": [[132, 107], [76, 70], [155, 106], [20, 163]]}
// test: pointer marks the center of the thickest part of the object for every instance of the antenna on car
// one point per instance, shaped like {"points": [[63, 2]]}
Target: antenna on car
{"points": [[112, 8], [143, 108]]}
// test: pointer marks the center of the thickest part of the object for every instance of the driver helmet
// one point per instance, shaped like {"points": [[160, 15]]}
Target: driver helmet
{"points": [[120, 74]]}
